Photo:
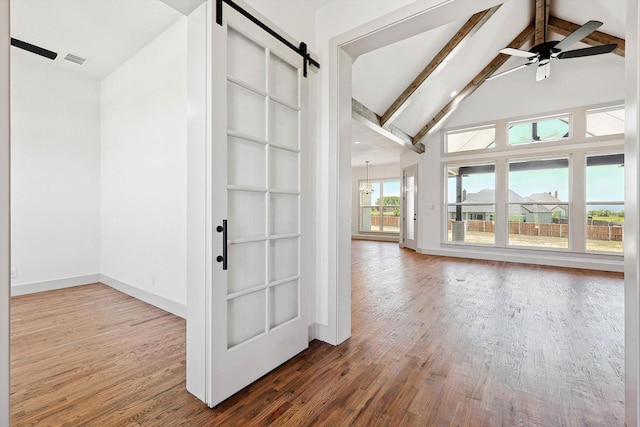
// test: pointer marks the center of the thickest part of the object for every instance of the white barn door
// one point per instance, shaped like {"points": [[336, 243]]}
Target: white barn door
{"points": [[258, 306]]}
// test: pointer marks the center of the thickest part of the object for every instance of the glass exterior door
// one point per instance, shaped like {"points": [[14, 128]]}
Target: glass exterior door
{"points": [[410, 207]]}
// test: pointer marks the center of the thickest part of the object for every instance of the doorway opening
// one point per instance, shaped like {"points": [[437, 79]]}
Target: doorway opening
{"points": [[349, 46]]}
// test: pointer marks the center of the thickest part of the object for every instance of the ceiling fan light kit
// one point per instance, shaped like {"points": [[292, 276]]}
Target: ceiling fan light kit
{"points": [[543, 53]]}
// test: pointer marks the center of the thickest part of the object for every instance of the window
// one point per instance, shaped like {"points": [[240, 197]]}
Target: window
{"points": [[605, 203], [538, 203], [605, 121], [471, 205], [380, 210], [543, 196], [470, 139], [540, 130]]}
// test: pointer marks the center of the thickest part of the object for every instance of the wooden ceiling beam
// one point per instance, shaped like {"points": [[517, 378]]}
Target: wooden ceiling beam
{"points": [[542, 18], [370, 119], [474, 84], [597, 38], [470, 27]]}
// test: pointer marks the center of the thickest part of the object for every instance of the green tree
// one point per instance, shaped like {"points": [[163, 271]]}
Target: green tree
{"points": [[389, 201]]}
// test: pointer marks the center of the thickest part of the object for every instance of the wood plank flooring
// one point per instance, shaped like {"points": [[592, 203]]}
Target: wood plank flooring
{"points": [[436, 342]]}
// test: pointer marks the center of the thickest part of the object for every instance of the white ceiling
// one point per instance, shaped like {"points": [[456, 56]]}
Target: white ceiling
{"points": [[372, 147], [317, 4], [108, 32], [379, 77], [105, 32]]}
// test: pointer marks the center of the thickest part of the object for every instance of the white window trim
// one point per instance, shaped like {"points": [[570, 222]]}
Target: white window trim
{"points": [[542, 118], [360, 206], [587, 203], [445, 134]]}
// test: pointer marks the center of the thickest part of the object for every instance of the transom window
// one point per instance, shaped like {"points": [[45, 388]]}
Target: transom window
{"points": [[539, 130], [605, 121], [470, 139]]}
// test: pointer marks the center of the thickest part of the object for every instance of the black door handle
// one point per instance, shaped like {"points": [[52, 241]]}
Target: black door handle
{"points": [[223, 258]]}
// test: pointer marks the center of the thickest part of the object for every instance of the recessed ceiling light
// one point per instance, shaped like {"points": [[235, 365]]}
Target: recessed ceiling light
{"points": [[356, 142], [454, 93]]}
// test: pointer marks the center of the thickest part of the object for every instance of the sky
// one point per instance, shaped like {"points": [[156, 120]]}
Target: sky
{"points": [[604, 183]]}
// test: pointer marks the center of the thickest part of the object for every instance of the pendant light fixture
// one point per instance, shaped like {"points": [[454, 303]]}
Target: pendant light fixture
{"points": [[366, 187]]}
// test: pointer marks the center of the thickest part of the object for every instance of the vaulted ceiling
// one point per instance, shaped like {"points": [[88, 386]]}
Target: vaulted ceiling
{"points": [[410, 89], [402, 92]]}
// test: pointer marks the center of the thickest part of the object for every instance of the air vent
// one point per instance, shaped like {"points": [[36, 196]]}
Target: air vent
{"points": [[75, 59]]}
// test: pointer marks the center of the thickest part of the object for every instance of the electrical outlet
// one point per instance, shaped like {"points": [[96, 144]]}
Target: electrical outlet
{"points": [[153, 280], [14, 273]]}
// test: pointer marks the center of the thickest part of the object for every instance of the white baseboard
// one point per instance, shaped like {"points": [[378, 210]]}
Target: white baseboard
{"points": [[376, 237], [319, 331], [581, 261], [52, 285], [173, 307], [166, 304]]}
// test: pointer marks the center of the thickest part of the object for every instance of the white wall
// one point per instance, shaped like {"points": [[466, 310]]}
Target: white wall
{"points": [[143, 172], [583, 81], [5, 247], [429, 194], [632, 230], [55, 174], [389, 170]]}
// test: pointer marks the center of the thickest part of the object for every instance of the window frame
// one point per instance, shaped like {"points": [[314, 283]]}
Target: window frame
{"points": [[487, 164], [577, 147], [446, 133], [568, 203], [532, 120], [588, 203], [602, 109], [379, 207]]}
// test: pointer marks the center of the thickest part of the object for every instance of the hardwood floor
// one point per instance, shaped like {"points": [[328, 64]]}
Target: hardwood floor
{"points": [[436, 342]]}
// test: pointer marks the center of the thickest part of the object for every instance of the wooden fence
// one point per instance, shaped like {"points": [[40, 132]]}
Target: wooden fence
{"points": [[594, 232], [388, 221]]}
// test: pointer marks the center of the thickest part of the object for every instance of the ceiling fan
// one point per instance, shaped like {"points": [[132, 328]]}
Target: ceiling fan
{"points": [[543, 53]]}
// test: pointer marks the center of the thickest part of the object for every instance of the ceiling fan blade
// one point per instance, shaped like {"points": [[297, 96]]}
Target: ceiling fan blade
{"points": [[518, 52], [33, 48], [543, 71], [588, 51], [578, 35], [510, 70]]}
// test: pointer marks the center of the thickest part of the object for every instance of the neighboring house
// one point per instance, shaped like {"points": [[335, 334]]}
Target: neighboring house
{"points": [[483, 207], [533, 212], [540, 208], [558, 208]]}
